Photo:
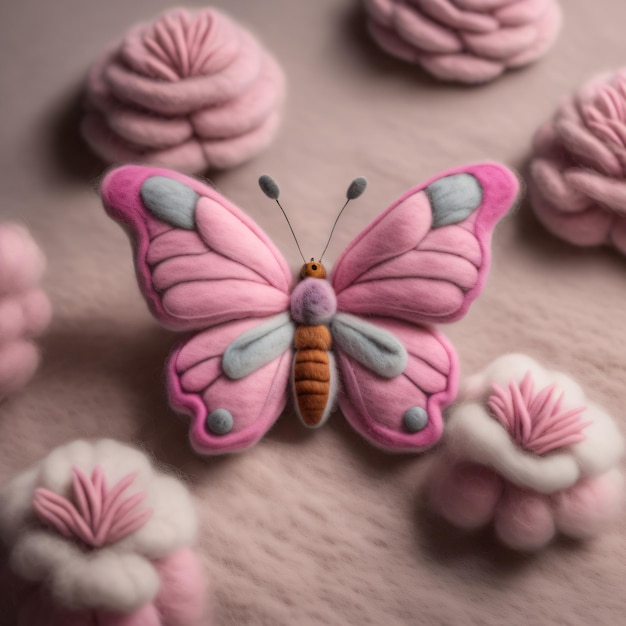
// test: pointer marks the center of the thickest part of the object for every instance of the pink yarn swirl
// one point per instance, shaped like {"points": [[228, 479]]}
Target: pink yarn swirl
{"points": [[25, 310], [469, 41], [187, 91], [577, 180]]}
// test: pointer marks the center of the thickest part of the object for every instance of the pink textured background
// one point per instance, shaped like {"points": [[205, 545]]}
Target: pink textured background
{"points": [[315, 528]]}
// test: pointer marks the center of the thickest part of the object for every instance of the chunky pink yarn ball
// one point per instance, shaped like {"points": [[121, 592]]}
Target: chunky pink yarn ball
{"points": [[468, 41], [190, 91], [577, 179], [24, 308]]}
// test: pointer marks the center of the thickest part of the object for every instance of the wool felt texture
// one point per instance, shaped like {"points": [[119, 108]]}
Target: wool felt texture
{"points": [[527, 450], [467, 42], [25, 309], [194, 91], [103, 535], [322, 510], [420, 261], [576, 175]]}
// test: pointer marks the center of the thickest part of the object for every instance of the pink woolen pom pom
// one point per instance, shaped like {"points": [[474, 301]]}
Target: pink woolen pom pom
{"points": [[468, 41], [25, 310], [190, 91], [577, 181]]}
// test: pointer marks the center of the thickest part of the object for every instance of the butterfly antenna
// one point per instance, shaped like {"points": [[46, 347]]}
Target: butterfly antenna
{"points": [[356, 188], [271, 190]]}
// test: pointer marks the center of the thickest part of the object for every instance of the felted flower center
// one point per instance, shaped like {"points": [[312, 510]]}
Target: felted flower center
{"points": [[536, 421], [99, 515]]}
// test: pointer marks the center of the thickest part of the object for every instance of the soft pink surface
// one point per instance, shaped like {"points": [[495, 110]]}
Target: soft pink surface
{"points": [[316, 527]]}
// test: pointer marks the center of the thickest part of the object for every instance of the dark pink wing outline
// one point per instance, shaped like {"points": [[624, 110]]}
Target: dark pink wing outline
{"points": [[500, 188], [122, 201]]}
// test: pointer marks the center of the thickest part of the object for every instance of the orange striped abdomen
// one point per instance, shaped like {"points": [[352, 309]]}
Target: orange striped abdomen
{"points": [[312, 372]]}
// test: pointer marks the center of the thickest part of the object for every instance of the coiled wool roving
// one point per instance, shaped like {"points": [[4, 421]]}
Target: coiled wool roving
{"points": [[577, 177], [25, 310], [467, 41], [191, 91]]}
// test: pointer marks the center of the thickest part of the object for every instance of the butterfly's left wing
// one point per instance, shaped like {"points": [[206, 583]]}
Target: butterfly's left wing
{"points": [[422, 261], [204, 266]]}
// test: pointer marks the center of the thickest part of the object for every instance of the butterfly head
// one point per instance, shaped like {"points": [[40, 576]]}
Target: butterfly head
{"points": [[313, 269]]}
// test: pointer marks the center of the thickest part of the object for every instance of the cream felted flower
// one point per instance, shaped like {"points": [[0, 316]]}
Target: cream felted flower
{"points": [[528, 450], [101, 529]]}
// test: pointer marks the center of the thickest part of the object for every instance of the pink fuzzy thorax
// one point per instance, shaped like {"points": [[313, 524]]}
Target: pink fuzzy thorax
{"points": [[192, 91], [99, 516], [536, 420], [577, 181], [469, 41]]}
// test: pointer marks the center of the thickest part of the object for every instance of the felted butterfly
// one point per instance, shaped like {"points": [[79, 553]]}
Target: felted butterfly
{"points": [[362, 338]]}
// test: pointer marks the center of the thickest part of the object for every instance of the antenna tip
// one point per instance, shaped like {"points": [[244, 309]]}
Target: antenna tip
{"points": [[356, 188], [269, 187]]}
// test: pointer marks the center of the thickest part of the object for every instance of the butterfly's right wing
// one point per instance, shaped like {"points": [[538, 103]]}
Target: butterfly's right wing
{"points": [[200, 261]]}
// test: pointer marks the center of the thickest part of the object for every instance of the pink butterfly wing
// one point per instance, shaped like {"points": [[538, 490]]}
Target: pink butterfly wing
{"points": [[202, 264], [198, 386], [402, 413], [220, 266], [423, 260], [403, 267]]}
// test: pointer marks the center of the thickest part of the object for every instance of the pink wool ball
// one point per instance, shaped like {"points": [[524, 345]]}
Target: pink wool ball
{"points": [[577, 178], [527, 452], [25, 310], [467, 41], [190, 91]]}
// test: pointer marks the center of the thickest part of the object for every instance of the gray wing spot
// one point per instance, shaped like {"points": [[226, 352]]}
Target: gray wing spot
{"points": [[453, 198], [415, 419], [170, 201], [220, 422], [374, 347], [258, 346]]}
